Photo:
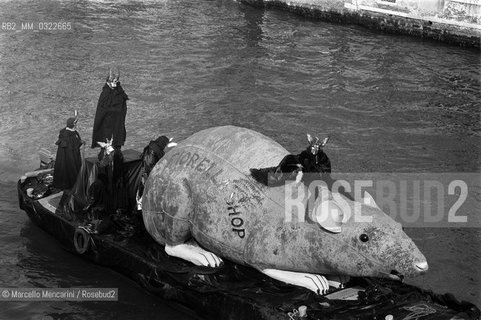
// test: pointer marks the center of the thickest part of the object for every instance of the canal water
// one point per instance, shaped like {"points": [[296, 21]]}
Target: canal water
{"points": [[389, 103]]}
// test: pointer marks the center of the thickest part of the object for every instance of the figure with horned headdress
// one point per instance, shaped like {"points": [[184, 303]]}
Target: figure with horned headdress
{"points": [[111, 111], [312, 161], [313, 158], [68, 160]]}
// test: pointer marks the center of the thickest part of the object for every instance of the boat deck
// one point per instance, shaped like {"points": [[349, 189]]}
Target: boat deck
{"points": [[233, 291], [51, 202]]}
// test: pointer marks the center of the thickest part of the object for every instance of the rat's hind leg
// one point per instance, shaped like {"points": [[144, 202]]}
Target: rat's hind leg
{"points": [[192, 252], [178, 237]]}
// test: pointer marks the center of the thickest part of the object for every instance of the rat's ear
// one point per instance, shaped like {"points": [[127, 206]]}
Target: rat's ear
{"points": [[369, 200], [329, 216], [101, 144]]}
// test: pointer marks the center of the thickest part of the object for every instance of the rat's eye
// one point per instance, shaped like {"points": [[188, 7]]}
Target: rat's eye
{"points": [[364, 238]]}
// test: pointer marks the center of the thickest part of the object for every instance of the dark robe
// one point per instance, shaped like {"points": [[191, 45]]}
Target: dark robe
{"points": [[153, 152], [68, 160], [110, 116], [308, 161]]}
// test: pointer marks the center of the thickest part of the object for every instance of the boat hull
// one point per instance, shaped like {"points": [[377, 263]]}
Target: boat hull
{"points": [[232, 291]]}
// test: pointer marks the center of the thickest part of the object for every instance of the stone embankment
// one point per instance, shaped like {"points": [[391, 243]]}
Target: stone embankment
{"points": [[452, 21]]}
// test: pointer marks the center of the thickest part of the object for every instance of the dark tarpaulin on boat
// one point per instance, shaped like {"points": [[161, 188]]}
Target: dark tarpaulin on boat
{"points": [[121, 197], [234, 291]]}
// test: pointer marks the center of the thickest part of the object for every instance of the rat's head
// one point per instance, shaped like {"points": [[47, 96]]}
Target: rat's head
{"points": [[367, 241]]}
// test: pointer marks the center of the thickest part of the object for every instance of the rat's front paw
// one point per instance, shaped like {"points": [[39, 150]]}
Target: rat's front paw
{"points": [[316, 283], [313, 282]]}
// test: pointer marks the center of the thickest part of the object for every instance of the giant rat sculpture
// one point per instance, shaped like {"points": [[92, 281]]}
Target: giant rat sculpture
{"points": [[202, 203]]}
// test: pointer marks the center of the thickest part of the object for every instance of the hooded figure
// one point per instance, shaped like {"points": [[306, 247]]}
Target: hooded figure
{"points": [[153, 152], [68, 160], [111, 111]]}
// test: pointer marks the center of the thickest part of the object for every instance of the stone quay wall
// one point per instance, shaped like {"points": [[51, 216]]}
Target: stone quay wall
{"points": [[451, 21]]}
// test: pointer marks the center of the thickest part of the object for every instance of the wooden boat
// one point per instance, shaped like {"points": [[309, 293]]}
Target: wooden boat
{"points": [[229, 292]]}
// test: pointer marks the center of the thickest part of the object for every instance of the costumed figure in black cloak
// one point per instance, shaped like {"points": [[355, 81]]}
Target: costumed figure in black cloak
{"points": [[109, 126], [152, 153], [68, 160], [311, 164], [111, 111]]}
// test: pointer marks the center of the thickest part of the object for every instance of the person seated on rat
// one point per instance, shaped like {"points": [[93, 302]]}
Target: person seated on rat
{"points": [[292, 167], [313, 158]]}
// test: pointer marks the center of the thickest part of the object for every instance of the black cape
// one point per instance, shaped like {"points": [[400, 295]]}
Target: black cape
{"points": [[308, 161], [110, 116], [157, 147], [152, 153], [68, 160]]}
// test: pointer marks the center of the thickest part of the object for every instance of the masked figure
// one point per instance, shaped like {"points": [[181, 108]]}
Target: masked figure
{"points": [[111, 111], [68, 160]]}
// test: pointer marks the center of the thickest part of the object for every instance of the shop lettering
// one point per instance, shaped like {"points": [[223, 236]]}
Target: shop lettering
{"points": [[236, 221]]}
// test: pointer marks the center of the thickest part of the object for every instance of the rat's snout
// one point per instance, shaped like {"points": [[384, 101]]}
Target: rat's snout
{"points": [[422, 266]]}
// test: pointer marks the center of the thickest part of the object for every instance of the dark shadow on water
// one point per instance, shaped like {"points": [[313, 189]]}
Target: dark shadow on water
{"points": [[45, 264]]}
